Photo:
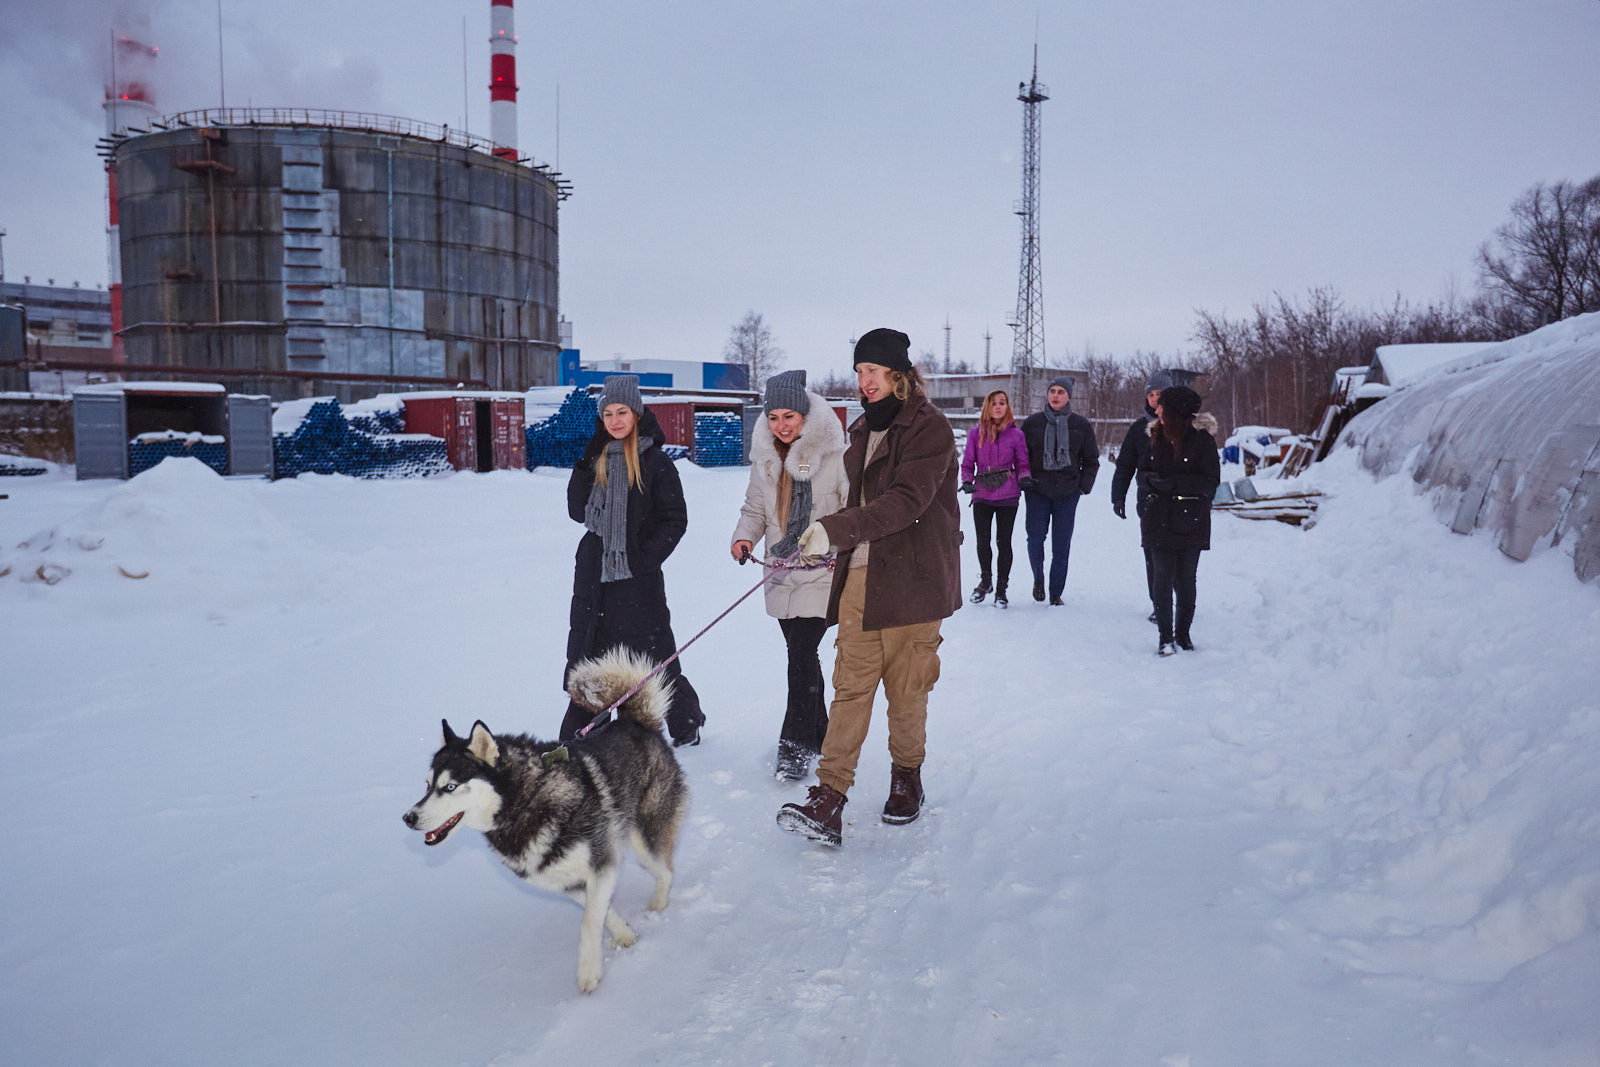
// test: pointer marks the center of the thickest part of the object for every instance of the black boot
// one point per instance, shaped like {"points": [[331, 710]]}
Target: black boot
{"points": [[1038, 589], [794, 761], [982, 588], [1000, 600]]}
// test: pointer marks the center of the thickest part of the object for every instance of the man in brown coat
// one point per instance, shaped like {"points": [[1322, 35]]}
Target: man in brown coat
{"points": [[897, 577]]}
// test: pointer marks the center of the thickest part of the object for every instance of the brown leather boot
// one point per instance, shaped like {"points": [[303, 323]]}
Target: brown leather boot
{"points": [[905, 795], [820, 818]]}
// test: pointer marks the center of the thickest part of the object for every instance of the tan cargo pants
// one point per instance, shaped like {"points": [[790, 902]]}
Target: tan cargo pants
{"points": [[905, 659]]}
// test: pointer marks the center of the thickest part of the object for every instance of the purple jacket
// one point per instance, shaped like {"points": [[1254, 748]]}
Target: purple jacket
{"points": [[1008, 449]]}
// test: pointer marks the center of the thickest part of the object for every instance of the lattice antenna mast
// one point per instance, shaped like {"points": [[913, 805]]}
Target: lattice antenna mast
{"points": [[1027, 353]]}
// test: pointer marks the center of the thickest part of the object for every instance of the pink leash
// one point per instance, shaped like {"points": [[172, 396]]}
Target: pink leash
{"points": [[782, 564]]}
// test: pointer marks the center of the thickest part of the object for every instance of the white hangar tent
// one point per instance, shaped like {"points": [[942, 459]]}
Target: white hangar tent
{"points": [[1505, 438]]}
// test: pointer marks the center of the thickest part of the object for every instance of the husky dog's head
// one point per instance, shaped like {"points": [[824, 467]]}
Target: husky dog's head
{"points": [[460, 788]]}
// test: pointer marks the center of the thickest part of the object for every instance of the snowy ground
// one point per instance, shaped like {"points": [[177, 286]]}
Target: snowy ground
{"points": [[1360, 826]]}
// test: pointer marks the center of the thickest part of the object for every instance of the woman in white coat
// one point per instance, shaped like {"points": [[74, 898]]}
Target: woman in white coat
{"points": [[796, 477]]}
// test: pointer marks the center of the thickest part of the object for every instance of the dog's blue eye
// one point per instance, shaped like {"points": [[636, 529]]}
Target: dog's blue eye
{"points": [[451, 788]]}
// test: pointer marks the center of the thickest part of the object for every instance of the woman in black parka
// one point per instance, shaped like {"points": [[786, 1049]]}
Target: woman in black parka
{"points": [[627, 494], [1182, 472]]}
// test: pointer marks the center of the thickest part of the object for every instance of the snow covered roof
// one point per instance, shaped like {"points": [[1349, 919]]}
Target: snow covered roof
{"points": [[151, 387], [1506, 439], [1401, 365]]}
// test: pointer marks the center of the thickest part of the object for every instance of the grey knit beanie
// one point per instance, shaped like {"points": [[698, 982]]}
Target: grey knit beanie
{"points": [[1066, 381], [1158, 381], [622, 389], [787, 391]]}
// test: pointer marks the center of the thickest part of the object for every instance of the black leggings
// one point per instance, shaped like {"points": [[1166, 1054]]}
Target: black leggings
{"points": [[1174, 570], [805, 721], [1005, 516]]}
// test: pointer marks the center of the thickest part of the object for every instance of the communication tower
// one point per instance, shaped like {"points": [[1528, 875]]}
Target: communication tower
{"points": [[1027, 353]]}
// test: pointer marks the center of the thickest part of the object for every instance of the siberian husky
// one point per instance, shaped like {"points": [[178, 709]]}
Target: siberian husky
{"points": [[559, 815]]}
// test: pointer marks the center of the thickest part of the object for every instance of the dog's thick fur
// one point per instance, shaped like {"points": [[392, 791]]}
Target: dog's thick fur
{"points": [[561, 823]]}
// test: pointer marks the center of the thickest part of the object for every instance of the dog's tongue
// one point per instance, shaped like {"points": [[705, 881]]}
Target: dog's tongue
{"points": [[433, 837]]}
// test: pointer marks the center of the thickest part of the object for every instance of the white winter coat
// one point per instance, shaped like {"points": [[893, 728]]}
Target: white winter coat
{"points": [[817, 455]]}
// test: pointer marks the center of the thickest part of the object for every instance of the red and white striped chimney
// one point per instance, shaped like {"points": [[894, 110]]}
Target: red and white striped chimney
{"points": [[503, 79], [128, 103]]}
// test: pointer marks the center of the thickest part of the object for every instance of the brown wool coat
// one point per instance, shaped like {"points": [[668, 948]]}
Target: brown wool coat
{"points": [[911, 517]]}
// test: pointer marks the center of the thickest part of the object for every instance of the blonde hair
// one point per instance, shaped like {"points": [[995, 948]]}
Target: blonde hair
{"points": [[630, 454], [902, 383], [989, 429]]}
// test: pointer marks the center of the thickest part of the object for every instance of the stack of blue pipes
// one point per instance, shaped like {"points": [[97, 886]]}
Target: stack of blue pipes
{"points": [[146, 450], [718, 439], [326, 443], [559, 440]]}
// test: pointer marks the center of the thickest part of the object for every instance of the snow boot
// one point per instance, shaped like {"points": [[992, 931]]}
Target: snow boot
{"points": [[1000, 600], [1038, 589], [1184, 642], [905, 795], [1152, 619], [820, 818], [1055, 602], [982, 588], [794, 761], [1167, 648]]}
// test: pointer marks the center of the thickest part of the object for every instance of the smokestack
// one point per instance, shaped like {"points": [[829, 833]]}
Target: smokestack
{"points": [[503, 79], [128, 104]]}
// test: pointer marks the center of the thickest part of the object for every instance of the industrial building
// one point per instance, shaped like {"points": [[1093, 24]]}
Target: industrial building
{"points": [[287, 252]]}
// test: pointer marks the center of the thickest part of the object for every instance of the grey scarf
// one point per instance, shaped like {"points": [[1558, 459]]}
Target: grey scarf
{"points": [[606, 513], [1057, 440], [799, 518]]}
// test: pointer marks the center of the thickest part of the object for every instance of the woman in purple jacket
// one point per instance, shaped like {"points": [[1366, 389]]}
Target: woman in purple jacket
{"points": [[994, 468]]}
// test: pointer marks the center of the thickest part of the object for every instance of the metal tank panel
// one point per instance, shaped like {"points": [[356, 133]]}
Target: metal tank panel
{"points": [[344, 253]]}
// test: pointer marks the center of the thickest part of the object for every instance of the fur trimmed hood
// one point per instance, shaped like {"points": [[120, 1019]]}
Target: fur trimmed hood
{"points": [[1203, 421], [823, 434]]}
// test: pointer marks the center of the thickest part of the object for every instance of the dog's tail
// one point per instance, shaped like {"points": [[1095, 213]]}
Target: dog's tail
{"points": [[595, 683]]}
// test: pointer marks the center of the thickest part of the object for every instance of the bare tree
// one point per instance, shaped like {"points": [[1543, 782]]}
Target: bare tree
{"points": [[750, 345], [1544, 262]]}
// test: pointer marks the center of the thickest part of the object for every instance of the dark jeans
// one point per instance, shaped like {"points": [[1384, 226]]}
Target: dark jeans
{"points": [[1057, 517], [1175, 570], [805, 722], [1005, 517]]}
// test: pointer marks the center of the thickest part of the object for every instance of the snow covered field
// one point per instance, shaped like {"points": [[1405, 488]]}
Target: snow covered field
{"points": [[1361, 825]]}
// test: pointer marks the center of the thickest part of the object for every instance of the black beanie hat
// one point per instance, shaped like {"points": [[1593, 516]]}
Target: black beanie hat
{"points": [[1180, 400], [886, 348]]}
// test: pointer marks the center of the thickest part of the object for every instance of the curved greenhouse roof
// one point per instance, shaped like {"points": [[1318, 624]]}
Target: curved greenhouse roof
{"points": [[1508, 440]]}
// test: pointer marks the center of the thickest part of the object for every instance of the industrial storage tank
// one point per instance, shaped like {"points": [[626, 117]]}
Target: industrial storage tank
{"points": [[296, 253]]}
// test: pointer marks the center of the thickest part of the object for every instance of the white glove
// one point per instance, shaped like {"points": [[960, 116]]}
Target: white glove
{"points": [[814, 542]]}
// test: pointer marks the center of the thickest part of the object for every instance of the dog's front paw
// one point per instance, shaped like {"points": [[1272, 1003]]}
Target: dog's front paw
{"points": [[588, 979], [624, 938]]}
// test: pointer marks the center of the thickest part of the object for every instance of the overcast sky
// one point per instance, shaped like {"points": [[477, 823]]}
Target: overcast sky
{"points": [[840, 166]]}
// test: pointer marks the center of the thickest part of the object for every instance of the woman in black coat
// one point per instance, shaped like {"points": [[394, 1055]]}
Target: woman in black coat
{"points": [[1181, 471], [627, 494]]}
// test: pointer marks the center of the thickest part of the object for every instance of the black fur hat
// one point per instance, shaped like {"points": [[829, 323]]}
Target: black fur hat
{"points": [[1180, 400]]}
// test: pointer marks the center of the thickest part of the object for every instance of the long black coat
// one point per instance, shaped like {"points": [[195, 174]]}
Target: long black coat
{"points": [[1182, 483], [1075, 480], [635, 609], [1135, 447]]}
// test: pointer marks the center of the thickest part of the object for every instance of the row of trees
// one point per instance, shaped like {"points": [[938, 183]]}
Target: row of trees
{"points": [[1275, 365]]}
